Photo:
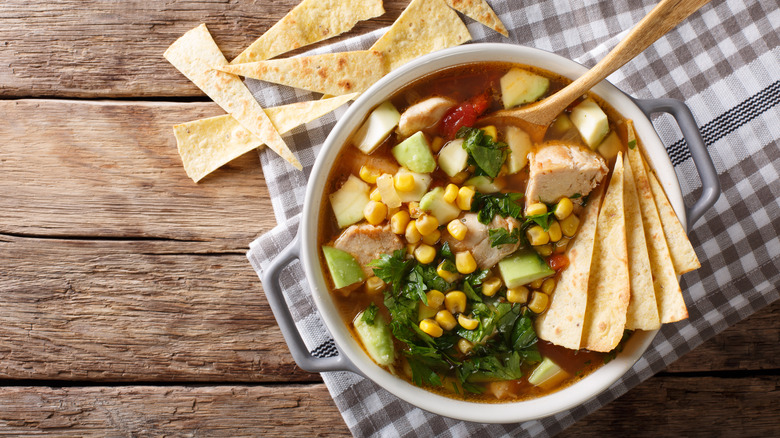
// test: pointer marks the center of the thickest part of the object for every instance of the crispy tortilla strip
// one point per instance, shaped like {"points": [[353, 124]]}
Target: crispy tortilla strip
{"points": [[563, 321], [423, 27], [480, 11], [671, 306], [332, 73], [642, 310], [207, 144], [196, 54], [683, 256], [309, 22], [608, 285]]}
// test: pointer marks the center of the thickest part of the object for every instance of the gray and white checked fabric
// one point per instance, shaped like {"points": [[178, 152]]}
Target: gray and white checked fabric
{"points": [[723, 62]]}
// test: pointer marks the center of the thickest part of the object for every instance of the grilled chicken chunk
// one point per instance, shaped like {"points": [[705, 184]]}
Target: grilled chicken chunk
{"points": [[477, 240], [560, 170], [367, 242], [423, 115]]}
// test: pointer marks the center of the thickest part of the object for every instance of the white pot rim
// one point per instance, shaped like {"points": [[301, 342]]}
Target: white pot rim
{"points": [[513, 412]]}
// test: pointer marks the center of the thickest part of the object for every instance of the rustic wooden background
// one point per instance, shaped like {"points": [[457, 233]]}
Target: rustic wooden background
{"points": [[127, 306]]}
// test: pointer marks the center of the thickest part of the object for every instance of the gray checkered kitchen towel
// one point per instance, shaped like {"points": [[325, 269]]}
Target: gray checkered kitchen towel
{"points": [[723, 62]]}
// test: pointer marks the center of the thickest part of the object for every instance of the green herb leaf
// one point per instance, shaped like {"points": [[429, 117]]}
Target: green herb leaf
{"points": [[487, 155], [487, 206], [415, 286], [502, 236], [370, 314], [392, 269]]}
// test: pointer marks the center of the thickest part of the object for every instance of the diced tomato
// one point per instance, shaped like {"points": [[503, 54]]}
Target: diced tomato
{"points": [[464, 114], [558, 261]]}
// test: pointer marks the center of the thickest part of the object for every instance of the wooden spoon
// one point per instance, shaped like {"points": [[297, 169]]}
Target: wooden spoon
{"points": [[535, 118]]}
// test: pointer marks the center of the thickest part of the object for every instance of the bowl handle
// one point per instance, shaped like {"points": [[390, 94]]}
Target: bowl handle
{"points": [[273, 292], [701, 157]]}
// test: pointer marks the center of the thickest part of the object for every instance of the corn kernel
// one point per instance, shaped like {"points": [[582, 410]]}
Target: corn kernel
{"points": [[435, 298], [536, 209], [517, 294], [538, 303], [548, 286], [569, 225], [555, 231], [491, 286], [425, 254], [375, 212], [467, 323], [563, 208], [465, 196], [410, 247], [457, 229], [561, 245], [392, 211], [446, 320], [369, 174], [374, 285], [465, 346], [412, 234], [465, 262], [414, 210], [404, 182], [426, 224], [374, 195], [536, 284], [491, 132], [430, 327], [448, 276], [432, 238], [455, 301], [399, 221], [450, 193], [537, 236], [436, 144], [460, 177], [544, 250]]}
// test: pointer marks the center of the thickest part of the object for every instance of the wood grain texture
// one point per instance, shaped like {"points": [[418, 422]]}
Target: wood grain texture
{"points": [[108, 169], [105, 48]]}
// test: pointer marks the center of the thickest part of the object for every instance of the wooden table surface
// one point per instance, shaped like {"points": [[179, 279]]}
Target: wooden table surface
{"points": [[127, 305]]}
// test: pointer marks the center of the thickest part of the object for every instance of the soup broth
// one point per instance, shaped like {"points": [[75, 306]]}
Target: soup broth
{"points": [[458, 324]]}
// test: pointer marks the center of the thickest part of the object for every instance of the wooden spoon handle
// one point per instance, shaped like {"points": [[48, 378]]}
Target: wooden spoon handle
{"points": [[663, 18]]}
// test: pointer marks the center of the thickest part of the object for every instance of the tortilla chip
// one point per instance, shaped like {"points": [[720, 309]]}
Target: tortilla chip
{"points": [[424, 27], [563, 321], [207, 144], [196, 54], [480, 11], [309, 22], [642, 310], [671, 306], [608, 285], [332, 73], [683, 256]]}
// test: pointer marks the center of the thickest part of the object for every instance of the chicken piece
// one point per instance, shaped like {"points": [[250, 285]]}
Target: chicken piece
{"points": [[477, 239], [367, 242], [560, 170], [423, 115]]}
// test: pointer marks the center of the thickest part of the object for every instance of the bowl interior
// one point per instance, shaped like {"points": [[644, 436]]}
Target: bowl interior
{"points": [[550, 404]]}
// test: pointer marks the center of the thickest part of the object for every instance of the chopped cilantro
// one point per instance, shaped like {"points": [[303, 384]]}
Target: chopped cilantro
{"points": [[488, 156], [370, 314], [502, 236], [487, 206], [392, 269]]}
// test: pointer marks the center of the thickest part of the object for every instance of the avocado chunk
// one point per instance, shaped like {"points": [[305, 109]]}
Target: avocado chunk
{"points": [[591, 121], [521, 86], [453, 158], [484, 184], [382, 120], [434, 203], [376, 338], [523, 267], [414, 153], [547, 374], [344, 269], [349, 201]]}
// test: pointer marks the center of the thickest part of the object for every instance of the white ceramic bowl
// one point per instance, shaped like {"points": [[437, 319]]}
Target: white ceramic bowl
{"points": [[550, 404]]}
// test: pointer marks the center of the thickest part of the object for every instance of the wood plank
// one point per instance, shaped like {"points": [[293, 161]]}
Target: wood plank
{"points": [[662, 406], [97, 169], [103, 48], [298, 411], [689, 406], [95, 310]]}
